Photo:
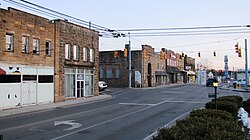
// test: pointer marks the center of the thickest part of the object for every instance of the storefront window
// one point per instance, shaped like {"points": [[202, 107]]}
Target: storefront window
{"points": [[69, 85]]}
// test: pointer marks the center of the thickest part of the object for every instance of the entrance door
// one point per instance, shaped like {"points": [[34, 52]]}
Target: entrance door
{"points": [[149, 75], [28, 92], [80, 89]]}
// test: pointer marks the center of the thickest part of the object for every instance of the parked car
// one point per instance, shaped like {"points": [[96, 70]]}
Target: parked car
{"points": [[210, 81], [102, 85], [241, 82]]}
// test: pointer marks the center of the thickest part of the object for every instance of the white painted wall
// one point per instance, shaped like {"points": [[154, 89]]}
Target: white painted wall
{"points": [[45, 93], [9, 94]]}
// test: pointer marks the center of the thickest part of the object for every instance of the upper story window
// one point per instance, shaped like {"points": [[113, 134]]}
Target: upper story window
{"points": [[67, 51], [36, 46], [25, 44], [85, 54], [9, 42], [48, 48], [75, 52], [91, 52]]}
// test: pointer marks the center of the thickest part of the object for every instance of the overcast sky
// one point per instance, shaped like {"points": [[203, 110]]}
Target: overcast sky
{"points": [[132, 14]]}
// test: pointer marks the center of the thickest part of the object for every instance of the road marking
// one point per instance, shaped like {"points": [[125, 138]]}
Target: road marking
{"points": [[74, 125], [193, 102], [151, 135], [54, 119], [123, 116], [136, 104]]}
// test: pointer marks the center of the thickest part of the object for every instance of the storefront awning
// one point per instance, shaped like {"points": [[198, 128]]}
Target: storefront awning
{"points": [[160, 73], [190, 72], [171, 69]]}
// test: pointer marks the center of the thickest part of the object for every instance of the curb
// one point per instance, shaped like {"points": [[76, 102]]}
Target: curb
{"points": [[43, 107]]}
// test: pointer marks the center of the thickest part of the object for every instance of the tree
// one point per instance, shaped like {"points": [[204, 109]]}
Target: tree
{"points": [[204, 64]]}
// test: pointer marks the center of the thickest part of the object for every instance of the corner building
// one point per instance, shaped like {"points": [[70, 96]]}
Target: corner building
{"points": [[26, 59]]}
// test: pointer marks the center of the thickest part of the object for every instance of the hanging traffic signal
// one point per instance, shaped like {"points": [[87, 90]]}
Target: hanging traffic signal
{"points": [[199, 54], [125, 52], [239, 52], [116, 54], [182, 55], [214, 53], [236, 48]]}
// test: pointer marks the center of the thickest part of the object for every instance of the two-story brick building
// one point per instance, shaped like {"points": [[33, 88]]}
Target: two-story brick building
{"points": [[76, 61], [26, 59], [45, 61], [148, 69]]}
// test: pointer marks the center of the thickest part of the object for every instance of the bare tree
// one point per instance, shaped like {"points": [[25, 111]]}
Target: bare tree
{"points": [[204, 64]]}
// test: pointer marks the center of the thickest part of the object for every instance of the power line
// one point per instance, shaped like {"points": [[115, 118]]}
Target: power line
{"points": [[188, 34], [184, 28]]}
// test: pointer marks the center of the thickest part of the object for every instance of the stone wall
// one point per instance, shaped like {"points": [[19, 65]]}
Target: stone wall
{"points": [[21, 24], [69, 33]]}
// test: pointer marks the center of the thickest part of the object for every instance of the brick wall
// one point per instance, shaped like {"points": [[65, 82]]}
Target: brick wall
{"points": [[69, 33], [21, 24]]}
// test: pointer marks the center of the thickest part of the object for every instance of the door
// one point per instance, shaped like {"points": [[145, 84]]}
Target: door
{"points": [[80, 89], [29, 89]]}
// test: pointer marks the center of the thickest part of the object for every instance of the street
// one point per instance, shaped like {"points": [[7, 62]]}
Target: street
{"points": [[130, 114]]}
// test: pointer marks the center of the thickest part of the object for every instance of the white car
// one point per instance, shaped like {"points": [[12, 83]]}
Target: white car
{"points": [[102, 85], [241, 82]]}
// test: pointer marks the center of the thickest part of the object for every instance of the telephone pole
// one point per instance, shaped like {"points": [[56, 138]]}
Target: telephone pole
{"points": [[246, 68], [129, 63]]}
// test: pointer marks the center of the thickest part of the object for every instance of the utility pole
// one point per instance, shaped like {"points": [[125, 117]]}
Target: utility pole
{"points": [[129, 63], [246, 68]]}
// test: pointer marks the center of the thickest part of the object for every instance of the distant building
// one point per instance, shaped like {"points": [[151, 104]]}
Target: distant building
{"points": [[149, 68]]}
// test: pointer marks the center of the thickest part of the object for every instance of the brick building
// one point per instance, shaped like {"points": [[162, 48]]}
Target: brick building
{"points": [[76, 61], [147, 68], [26, 59], [45, 61], [172, 67], [189, 65]]}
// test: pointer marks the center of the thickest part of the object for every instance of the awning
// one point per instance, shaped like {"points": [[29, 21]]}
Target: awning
{"points": [[160, 73], [171, 69], [190, 72]]}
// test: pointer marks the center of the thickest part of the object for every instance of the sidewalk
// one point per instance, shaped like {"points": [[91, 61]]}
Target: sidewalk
{"points": [[226, 87], [43, 107]]}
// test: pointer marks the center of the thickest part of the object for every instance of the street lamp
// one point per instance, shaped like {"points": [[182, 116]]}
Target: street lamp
{"points": [[215, 85]]}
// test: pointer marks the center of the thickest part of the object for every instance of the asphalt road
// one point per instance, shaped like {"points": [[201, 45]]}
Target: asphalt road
{"points": [[130, 114]]}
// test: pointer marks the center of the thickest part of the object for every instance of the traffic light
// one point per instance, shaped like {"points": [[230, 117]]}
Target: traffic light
{"points": [[236, 48], [214, 53], [116, 54], [125, 52], [182, 55], [239, 52], [199, 54]]}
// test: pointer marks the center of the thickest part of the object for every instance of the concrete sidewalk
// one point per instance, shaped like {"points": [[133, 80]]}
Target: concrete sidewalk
{"points": [[44, 107], [226, 87]]}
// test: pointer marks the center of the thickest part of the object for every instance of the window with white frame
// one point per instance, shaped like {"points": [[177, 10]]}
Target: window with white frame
{"points": [[91, 52], [85, 54], [75, 52], [25, 44], [9, 42], [48, 48], [67, 51], [36, 46]]}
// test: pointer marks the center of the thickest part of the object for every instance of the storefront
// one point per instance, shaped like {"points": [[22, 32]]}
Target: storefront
{"points": [[23, 85], [78, 83]]}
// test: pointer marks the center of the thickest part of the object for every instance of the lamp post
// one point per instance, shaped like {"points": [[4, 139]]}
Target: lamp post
{"points": [[215, 84]]}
